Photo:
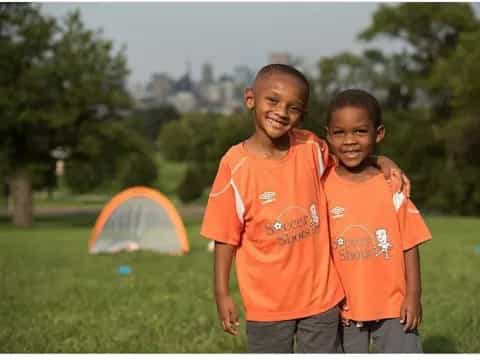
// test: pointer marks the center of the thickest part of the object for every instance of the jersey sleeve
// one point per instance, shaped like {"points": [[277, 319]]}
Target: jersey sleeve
{"points": [[325, 160], [221, 220], [413, 229]]}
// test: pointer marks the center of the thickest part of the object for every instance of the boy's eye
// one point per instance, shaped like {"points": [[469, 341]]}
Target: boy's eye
{"points": [[295, 110], [361, 131], [337, 132], [272, 100]]}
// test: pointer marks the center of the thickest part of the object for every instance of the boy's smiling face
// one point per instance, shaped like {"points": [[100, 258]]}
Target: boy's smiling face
{"points": [[352, 135], [279, 101]]}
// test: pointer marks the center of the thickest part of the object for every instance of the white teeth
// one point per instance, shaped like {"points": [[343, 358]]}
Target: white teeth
{"points": [[351, 154], [276, 123]]}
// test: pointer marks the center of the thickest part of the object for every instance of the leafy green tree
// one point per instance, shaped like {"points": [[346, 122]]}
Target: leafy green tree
{"points": [[118, 158], [427, 91], [429, 33], [138, 169], [149, 122], [193, 183], [25, 48], [60, 85], [461, 136], [201, 140], [441, 42]]}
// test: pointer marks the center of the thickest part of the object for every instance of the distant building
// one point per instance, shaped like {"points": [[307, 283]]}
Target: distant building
{"points": [[160, 86], [184, 101], [207, 74], [138, 93], [280, 58], [243, 75], [223, 95], [183, 84]]}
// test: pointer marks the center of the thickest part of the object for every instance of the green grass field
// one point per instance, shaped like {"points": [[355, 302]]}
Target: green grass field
{"points": [[57, 298]]}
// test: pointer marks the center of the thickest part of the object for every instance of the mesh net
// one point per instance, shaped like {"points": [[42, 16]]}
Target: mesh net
{"points": [[138, 223]]}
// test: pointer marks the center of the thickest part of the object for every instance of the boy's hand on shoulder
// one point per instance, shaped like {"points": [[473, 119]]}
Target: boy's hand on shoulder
{"points": [[393, 173], [227, 313], [411, 313]]}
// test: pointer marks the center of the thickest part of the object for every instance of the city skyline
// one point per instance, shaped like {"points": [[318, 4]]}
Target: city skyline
{"points": [[172, 37]]}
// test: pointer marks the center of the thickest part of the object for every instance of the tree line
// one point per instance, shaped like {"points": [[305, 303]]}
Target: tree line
{"points": [[63, 85], [428, 90]]}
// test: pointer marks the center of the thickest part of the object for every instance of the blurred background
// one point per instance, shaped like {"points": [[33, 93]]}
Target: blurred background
{"points": [[99, 97]]}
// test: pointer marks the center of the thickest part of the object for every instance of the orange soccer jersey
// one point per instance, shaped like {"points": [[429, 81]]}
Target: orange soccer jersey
{"points": [[370, 228], [274, 212]]}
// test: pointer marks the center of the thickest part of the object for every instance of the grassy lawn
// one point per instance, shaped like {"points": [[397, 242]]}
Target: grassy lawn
{"points": [[57, 298]]}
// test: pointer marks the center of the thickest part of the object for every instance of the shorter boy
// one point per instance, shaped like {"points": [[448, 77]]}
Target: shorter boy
{"points": [[374, 232]]}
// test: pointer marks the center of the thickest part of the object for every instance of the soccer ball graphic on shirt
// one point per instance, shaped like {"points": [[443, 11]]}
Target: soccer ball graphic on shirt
{"points": [[277, 226]]}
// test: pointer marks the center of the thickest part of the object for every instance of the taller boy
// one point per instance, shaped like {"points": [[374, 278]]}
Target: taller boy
{"points": [[267, 207]]}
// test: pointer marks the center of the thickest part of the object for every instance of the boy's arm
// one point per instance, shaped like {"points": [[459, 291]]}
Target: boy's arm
{"points": [[411, 312], [390, 170], [226, 309]]}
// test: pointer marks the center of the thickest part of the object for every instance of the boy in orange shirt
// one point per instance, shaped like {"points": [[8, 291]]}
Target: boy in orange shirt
{"points": [[375, 234], [267, 208]]}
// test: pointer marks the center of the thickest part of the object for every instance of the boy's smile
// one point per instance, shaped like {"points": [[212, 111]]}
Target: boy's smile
{"points": [[352, 136]]}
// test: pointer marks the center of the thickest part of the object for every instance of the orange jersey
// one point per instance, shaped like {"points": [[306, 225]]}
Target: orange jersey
{"points": [[371, 227], [274, 212]]}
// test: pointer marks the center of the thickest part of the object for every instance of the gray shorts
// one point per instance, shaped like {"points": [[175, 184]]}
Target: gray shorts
{"points": [[386, 336], [313, 334]]}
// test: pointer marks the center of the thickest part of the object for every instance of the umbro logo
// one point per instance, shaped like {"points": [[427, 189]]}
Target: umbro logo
{"points": [[337, 212], [267, 197]]}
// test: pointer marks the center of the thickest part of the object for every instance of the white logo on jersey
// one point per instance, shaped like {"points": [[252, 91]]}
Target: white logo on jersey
{"points": [[267, 197], [337, 212], [382, 242]]}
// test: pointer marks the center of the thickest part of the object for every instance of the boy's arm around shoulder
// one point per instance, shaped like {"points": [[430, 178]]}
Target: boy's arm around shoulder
{"points": [[392, 171]]}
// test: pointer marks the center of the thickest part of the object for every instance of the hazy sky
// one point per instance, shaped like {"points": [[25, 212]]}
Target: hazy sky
{"points": [[163, 37]]}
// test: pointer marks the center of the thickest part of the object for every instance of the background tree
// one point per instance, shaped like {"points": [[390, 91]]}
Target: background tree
{"points": [[26, 47], [61, 85], [149, 122], [200, 140], [426, 95]]}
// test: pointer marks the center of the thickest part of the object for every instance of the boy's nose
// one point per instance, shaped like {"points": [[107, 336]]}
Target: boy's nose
{"points": [[349, 139], [281, 110]]}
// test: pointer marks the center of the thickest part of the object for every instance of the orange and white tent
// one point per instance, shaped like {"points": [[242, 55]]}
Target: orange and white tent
{"points": [[139, 218]]}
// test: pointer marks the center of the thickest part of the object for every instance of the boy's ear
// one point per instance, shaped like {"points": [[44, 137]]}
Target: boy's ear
{"points": [[380, 134], [249, 98]]}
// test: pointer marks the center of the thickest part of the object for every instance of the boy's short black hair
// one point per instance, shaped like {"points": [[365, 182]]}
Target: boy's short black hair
{"points": [[356, 98], [284, 69]]}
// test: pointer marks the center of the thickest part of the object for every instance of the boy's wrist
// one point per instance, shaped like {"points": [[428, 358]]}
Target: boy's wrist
{"points": [[222, 292], [414, 293]]}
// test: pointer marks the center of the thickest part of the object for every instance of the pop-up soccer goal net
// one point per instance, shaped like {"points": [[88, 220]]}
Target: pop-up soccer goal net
{"points": [[139, 218]]}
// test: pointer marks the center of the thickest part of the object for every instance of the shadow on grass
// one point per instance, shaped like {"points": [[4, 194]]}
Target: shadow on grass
{"points": [[437, 344]]}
